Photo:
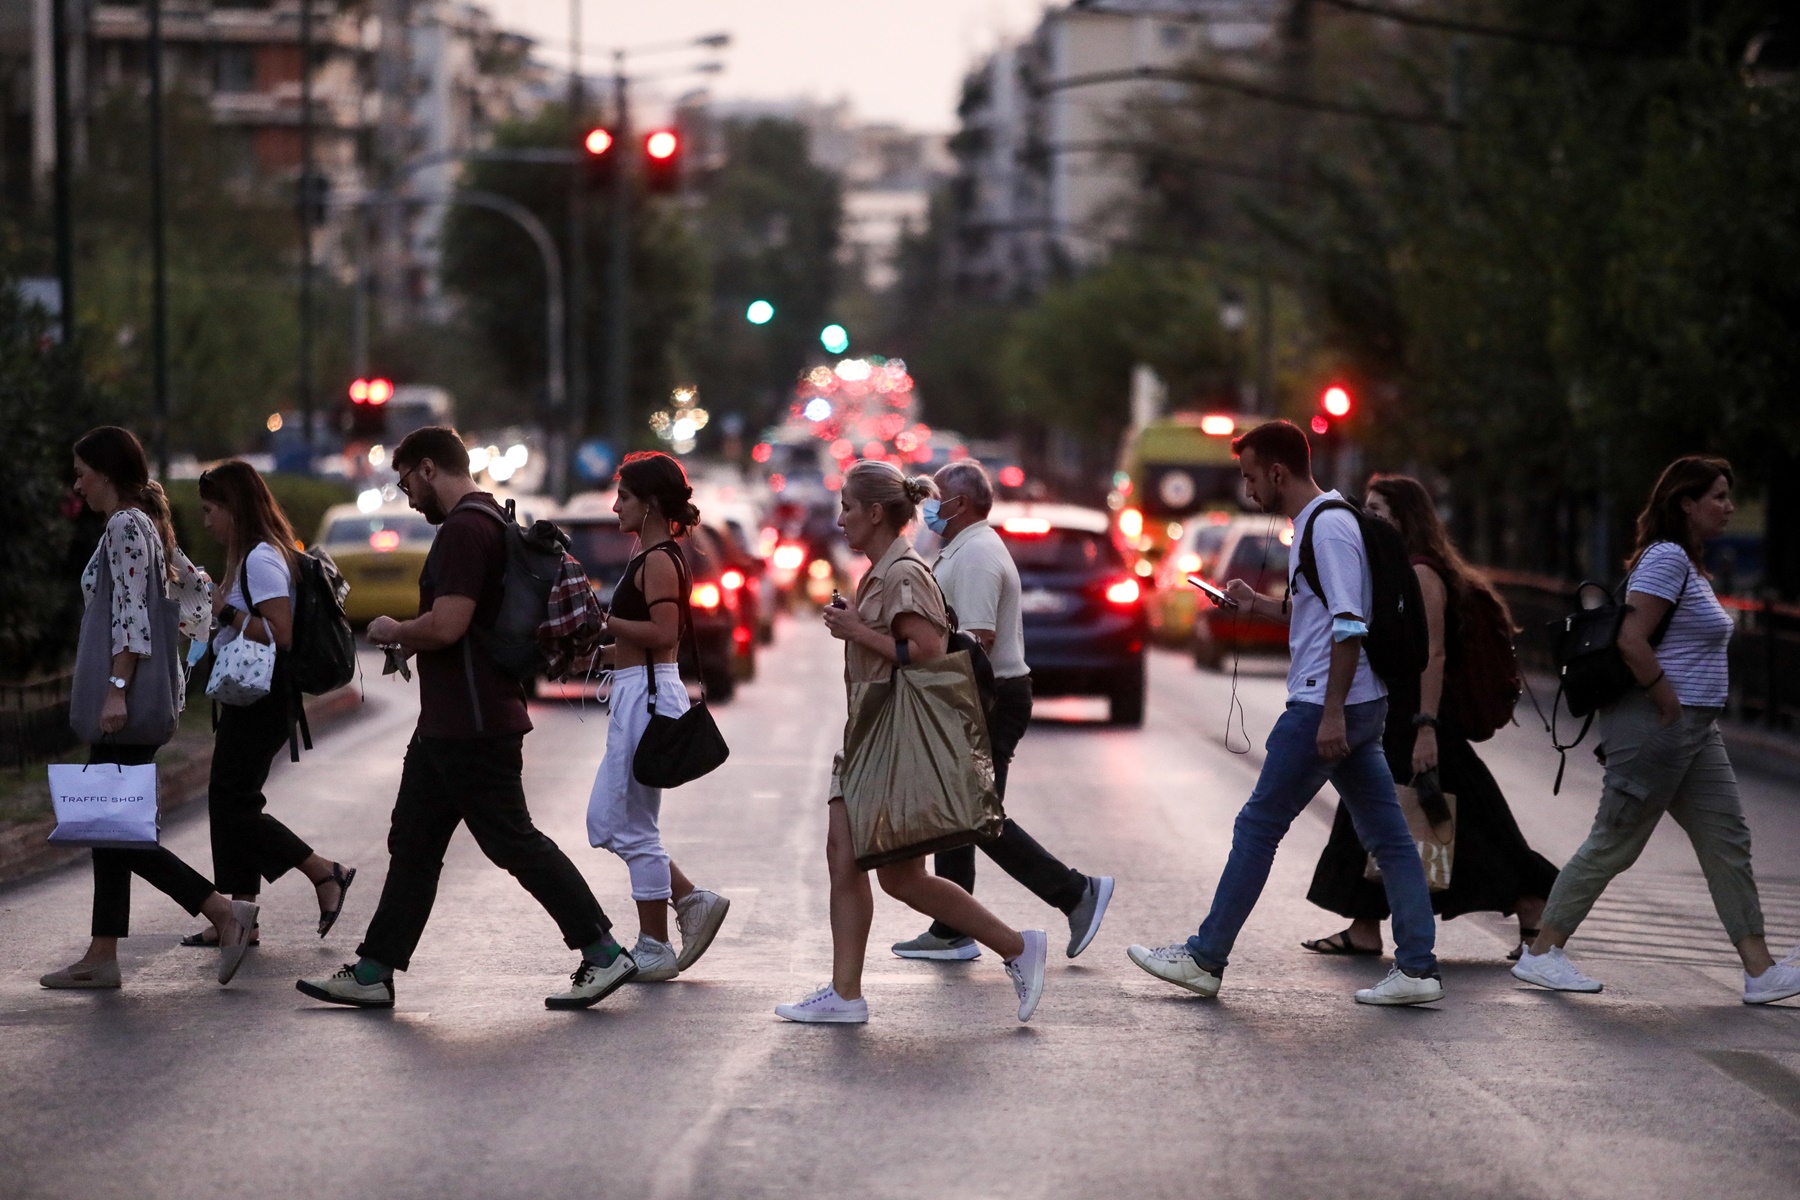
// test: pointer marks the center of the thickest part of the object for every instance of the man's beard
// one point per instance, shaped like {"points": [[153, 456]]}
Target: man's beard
{"points": [[429, 508]]}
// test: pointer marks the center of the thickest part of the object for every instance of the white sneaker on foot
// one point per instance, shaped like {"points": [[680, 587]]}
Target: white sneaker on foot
{"points": [[1401, 988], [1027, 971], [1777, 983], [938, 949], [345, 988], [698, 916], [1552, 969], [655, 960], [825, 1007], [1173, 964], [591, 983]]}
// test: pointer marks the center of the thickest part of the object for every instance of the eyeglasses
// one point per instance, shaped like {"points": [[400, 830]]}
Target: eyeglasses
{"points": [[401, 481]]}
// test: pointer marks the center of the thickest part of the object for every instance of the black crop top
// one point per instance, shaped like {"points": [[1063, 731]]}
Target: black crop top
{"points": [[628, 598]]}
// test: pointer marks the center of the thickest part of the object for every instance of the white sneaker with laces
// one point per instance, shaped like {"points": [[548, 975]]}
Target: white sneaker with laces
{"points": [[1173, 964], [1552, 969], [1401, 988], [1027, 971], [592, 982], [1777, 983], [825, 1007], [655, 960], [698, 916]]}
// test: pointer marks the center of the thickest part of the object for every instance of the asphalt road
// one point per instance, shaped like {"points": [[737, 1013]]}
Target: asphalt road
{"points": [[1665, 1085]]}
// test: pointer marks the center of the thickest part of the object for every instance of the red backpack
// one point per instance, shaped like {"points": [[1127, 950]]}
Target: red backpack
{"points": [[1482, 683]]}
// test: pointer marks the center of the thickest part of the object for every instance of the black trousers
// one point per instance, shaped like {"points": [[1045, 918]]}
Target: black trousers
{"points": [[1016, 852], [449, 781], [159, 867], [249, 845]]}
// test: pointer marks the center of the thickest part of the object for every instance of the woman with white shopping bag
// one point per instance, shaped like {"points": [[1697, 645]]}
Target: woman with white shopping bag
{"points": [[254, 621], [128, 688], [898, 617]]}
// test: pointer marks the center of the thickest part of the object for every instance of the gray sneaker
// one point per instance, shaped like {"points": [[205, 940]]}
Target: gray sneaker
{"points": [[930, 945], [1084, 922], [698, 915]]}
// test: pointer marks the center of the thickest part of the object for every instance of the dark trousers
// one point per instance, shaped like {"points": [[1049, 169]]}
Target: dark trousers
{"points": [[1016, 852], [248, 845], [446, 782], [159, 867]]}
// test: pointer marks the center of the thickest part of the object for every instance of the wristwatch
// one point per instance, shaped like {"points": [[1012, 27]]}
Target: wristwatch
{"points": [[227, 615], [117, 682], [1424, 721]]}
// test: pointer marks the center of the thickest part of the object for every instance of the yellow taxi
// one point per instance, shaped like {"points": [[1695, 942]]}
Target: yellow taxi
{"points": [[380, 553]]}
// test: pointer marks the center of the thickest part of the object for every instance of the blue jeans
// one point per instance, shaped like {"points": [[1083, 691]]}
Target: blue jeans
{"points": [[1291, 776]]}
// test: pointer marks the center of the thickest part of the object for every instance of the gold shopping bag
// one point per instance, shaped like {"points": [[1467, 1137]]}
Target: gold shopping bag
{"points": [[1436, 843], [918, 770]]}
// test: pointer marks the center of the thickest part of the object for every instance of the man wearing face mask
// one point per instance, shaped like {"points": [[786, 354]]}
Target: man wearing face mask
{"points": [[981, 585]]}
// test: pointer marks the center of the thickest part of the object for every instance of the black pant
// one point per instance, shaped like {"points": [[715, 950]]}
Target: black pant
{"points": [[114, 867], [1016, 851], [447, 781], [248, 845]]}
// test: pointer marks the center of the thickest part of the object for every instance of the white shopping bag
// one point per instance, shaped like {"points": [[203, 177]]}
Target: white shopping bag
{"points": [[104, 804], [244, 671]]}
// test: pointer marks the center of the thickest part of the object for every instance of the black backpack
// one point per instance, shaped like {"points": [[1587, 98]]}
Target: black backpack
{"points": [[322, 655], [985, 684], [534, 562], [1398, 643]]}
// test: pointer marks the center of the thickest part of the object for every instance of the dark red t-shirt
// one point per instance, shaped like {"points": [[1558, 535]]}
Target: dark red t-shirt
{"points": [[468, 558]]}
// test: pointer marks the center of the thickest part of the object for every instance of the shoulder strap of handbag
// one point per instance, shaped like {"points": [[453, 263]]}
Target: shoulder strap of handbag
{"points": [[686, 622]]}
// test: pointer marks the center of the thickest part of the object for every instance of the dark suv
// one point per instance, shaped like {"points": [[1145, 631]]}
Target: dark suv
{"points": [[1083, 609]]}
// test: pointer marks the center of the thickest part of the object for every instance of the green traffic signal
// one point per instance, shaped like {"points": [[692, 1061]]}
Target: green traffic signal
{"points": [[835, 339], [760, 312]]}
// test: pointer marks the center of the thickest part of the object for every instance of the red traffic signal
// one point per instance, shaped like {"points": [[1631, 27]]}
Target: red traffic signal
{"points": [[371, 391], [598, 141], [663, 144], [662, 160], [1336, 401]]}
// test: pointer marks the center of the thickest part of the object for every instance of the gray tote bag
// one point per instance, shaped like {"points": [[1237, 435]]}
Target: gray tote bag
{"points": [[153, 702]]}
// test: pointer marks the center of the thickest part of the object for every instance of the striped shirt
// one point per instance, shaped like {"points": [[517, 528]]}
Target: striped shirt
{"points": [[1693, 651]]}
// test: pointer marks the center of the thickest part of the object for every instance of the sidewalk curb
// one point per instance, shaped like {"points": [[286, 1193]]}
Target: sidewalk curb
{"points": [[24, 853]]}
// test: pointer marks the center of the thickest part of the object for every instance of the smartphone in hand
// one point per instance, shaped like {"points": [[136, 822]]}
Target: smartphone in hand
{"points": [[1215, 594]]}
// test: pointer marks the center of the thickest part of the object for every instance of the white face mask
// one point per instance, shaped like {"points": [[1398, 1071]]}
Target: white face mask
{"points": [[931, 513]]}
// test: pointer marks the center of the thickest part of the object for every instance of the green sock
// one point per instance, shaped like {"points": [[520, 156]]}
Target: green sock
{"points": [[605, 951], [367, 971]]}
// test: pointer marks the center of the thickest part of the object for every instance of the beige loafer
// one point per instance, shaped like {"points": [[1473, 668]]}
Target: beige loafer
{"points": [[83, 975]]}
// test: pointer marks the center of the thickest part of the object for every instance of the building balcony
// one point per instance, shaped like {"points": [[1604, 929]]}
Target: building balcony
{"points": [[187, 22]]}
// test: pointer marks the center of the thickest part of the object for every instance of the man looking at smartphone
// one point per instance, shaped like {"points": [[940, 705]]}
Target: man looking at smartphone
{"points": [[981, 585], [1331, 729]]}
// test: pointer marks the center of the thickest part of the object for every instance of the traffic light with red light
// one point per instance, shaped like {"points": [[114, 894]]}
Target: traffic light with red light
{"points": [[1336, 401], [368, 407], [662, 161], [597, 154]]}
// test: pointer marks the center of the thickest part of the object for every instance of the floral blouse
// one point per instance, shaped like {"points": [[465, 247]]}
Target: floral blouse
{"points": [[132, 549]]}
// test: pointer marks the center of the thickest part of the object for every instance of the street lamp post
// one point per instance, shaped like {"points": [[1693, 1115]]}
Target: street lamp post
{"points": [[307, 200], [65, 232], [618, 266], [159, 281], [573, 420]]}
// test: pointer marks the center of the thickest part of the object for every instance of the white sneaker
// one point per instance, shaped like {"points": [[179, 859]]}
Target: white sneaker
{"points": [[1027, 971], [930, 946], [1173, 964], [345, 988], [698, 916], [1401, 988], [1777, 983], [591, 983], [1552, 969], [825, 1007], [656, 960]]}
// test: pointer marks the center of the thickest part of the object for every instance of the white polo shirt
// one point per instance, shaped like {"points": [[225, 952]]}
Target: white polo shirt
{"points": [[1349, 590], [981, 583]]}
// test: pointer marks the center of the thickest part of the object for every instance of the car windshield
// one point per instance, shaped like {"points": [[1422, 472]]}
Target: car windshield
{"points": [[350, 531], [1062, 550], [1260, 561], [602, 549]]}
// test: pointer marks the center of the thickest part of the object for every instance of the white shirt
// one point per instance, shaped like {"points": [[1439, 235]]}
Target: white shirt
{"points": [[267, 572], [981, 583], [1349, 591], [1693, 652]]}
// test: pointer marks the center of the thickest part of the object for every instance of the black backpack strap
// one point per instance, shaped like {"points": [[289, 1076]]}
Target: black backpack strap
{"points": [[1309, 563]]}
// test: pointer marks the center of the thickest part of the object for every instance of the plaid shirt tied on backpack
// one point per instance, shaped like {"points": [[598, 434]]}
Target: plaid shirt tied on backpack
{"points": [[570, 634]]}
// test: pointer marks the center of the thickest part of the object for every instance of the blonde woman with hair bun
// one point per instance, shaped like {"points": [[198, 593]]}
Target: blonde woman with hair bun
{"points": [[897, 601]]}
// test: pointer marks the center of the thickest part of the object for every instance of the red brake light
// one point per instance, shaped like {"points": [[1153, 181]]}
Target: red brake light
{"points": [[740, 634], [789, 556], [705, 595], [384, 540], [732, 580], [1026, 526], [1125, 591]]}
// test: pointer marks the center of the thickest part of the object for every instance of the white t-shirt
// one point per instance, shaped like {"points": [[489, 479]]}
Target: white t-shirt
{"points": [[1349, 591], [266, 570], [981, 583], [1693, 652]]}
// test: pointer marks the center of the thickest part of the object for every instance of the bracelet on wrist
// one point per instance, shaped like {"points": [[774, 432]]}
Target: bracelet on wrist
{"points": [[1660, 676], [1425, 721]]}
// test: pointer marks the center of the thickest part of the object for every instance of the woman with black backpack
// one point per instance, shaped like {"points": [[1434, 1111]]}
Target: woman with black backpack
{"points": [[1662, 747], [249, 845], [1465, 693]]}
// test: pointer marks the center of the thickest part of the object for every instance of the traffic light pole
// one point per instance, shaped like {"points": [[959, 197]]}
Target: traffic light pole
{"points": [[568, 423], [308, 199], [618, 267], [65, 232], [159, 273]]}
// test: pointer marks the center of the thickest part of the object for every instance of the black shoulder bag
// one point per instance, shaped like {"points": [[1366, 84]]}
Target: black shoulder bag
{"points": [[678, 750]]}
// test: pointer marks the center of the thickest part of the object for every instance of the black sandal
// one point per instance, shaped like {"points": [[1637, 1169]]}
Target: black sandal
{"points": [[1339, 943], [343, 879], [1526, 937], [200, 939]]}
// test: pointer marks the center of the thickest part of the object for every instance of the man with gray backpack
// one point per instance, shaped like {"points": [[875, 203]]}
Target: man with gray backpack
{"points": [[465, 761]]}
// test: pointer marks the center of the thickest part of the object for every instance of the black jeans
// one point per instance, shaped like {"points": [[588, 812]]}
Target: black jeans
{"points": [[248, 845], [1016, 852], [448, 781], [159, 867]]}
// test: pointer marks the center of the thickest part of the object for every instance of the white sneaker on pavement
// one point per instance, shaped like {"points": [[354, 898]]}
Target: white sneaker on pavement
{"points": [[1084, 922], [1777, 983], [656, 960], [591, 983], [929, 945], [345, 988], [1027, 971], [1173, 964], [825, 1007], [1552, 969], [698, 916], [1401, 988]]}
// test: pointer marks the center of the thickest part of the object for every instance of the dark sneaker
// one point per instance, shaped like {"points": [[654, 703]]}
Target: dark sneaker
{"points": [[1084, 921], [591, 983], [344, 988], [929, 945]]}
